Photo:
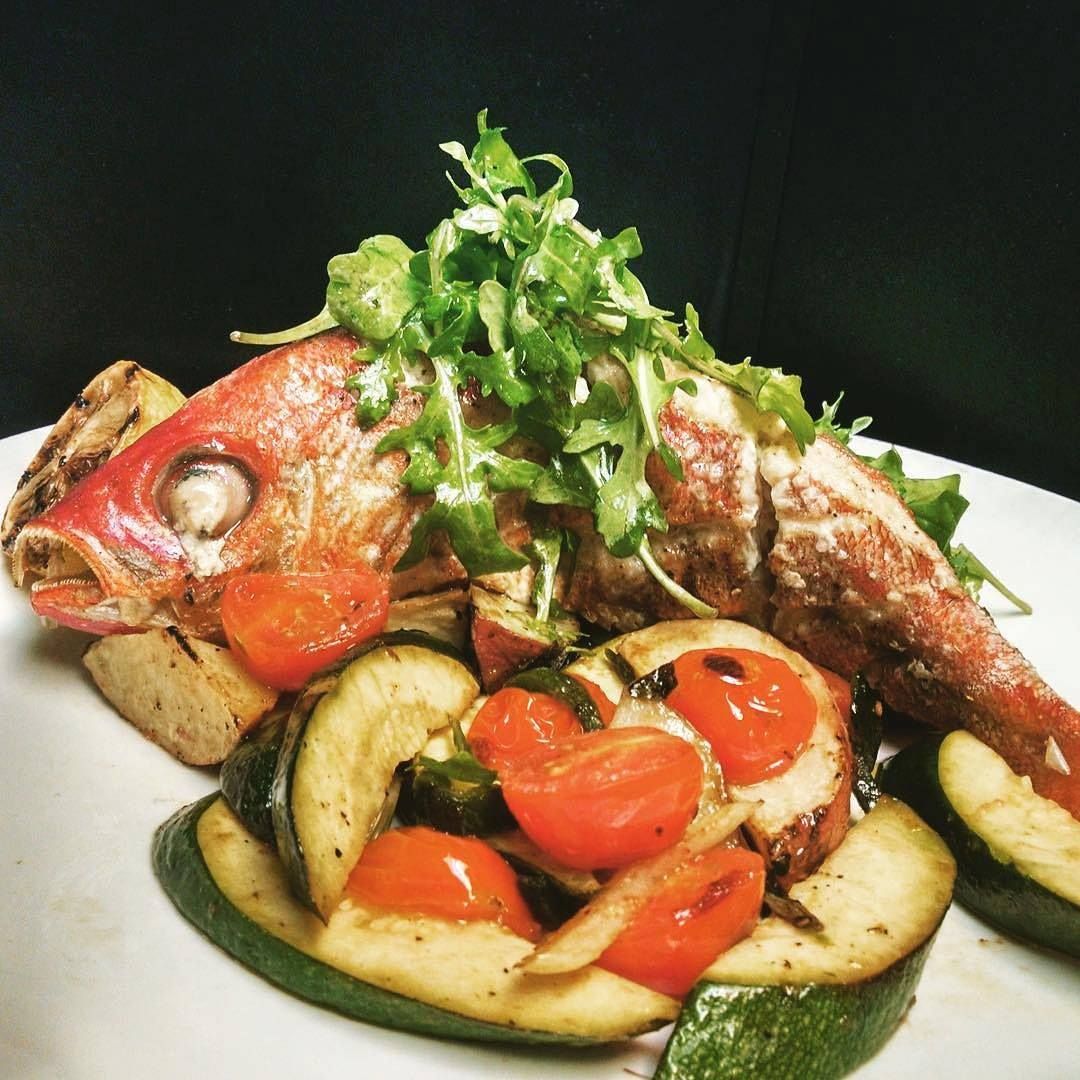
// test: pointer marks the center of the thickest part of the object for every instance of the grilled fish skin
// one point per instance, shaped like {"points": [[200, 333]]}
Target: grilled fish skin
{"points": [[719, 521], [860, 586], [817, 547], [319, 497]]}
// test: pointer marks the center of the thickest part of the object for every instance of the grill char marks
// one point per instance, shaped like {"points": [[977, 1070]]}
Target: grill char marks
{"points": [[859, 585]]}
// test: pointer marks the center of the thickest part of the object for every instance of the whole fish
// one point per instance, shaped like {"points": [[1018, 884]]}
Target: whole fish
{"points": [[268, 470]]}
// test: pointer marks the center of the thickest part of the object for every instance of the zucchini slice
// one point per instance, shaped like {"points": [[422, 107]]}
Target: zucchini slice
{"points": [[1018, 854], [247, 774], [545, 680], [459, 807], [429, 976], [787, 1003], [348, 732], [553, 892], [454, 801]]}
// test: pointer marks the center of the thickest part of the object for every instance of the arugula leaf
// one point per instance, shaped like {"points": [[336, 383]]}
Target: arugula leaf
{"points": [[972, 572], [936, 504], [375, 386], [514, 295], [653, 393], [546, 548], [611, 453], [461, 766], [768, 388], [827, 423], [572, 479], [315, 325], [462, 485], [625, 503], [382, 369], [371, 290]]}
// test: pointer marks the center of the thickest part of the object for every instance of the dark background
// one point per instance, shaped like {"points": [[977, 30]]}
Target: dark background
{"points": [[884, 203]]}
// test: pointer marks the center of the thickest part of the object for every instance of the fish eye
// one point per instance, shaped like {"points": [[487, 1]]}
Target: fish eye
{"points": [[206, 495]]}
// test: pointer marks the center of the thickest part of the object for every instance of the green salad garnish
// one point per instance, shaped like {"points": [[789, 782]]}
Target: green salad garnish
{"points": [[512, 298]]}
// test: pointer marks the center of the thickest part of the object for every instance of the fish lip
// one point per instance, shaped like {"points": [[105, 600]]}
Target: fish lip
{"points": [[34, 547], [80, 596]]}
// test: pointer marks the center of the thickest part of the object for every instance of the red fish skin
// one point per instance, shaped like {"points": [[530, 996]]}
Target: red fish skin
{"points": [[287, 417], [860, 587]]}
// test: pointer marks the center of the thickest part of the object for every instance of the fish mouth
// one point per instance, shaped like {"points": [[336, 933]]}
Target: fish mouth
{"points": [[70, 585]]}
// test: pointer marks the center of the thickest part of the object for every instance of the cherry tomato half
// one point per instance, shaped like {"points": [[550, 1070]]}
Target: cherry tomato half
{"points": [[285, 627], [604, 705], [513, 722], [704, 908], [453, 877], [605, 798], [753, 709]]}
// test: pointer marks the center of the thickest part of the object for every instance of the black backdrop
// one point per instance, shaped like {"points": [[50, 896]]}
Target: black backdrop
{"points": [[883, 205]]}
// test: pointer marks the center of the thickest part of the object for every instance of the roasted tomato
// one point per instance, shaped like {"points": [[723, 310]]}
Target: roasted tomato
{"points": [[421, 870], [513, 722], [285, 627], [605, 798], [704, 908], [753, 709]]}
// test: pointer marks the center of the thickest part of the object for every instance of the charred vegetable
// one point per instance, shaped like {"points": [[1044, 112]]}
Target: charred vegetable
{"points": [[790, 1003], [247, 774], [348, 733], [118, 405], [421, 974], [452, 792], [1018, 854], [192, 697]]}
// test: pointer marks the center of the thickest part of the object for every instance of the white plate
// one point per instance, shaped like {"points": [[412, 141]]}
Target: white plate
{"points": [[102, 977]]}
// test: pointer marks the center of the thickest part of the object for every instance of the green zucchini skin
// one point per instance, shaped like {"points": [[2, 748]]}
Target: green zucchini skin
{"points": [[283, 826], [312, 886], [551, 902], [866, 726], [789, 1032], [996, 891], [459, 808], [281, 822], [247, 775], [769, 1008], [182, 871], [402, 637], [569, 691]]}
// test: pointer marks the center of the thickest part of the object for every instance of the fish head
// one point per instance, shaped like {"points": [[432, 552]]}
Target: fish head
{"points": [[243, 477]]}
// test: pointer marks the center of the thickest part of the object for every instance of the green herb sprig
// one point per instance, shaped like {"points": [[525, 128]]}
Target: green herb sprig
{"points": [[514, 295]]}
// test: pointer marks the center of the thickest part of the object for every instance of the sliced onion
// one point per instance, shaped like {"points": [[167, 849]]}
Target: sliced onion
{"points": [[652, 712]]}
